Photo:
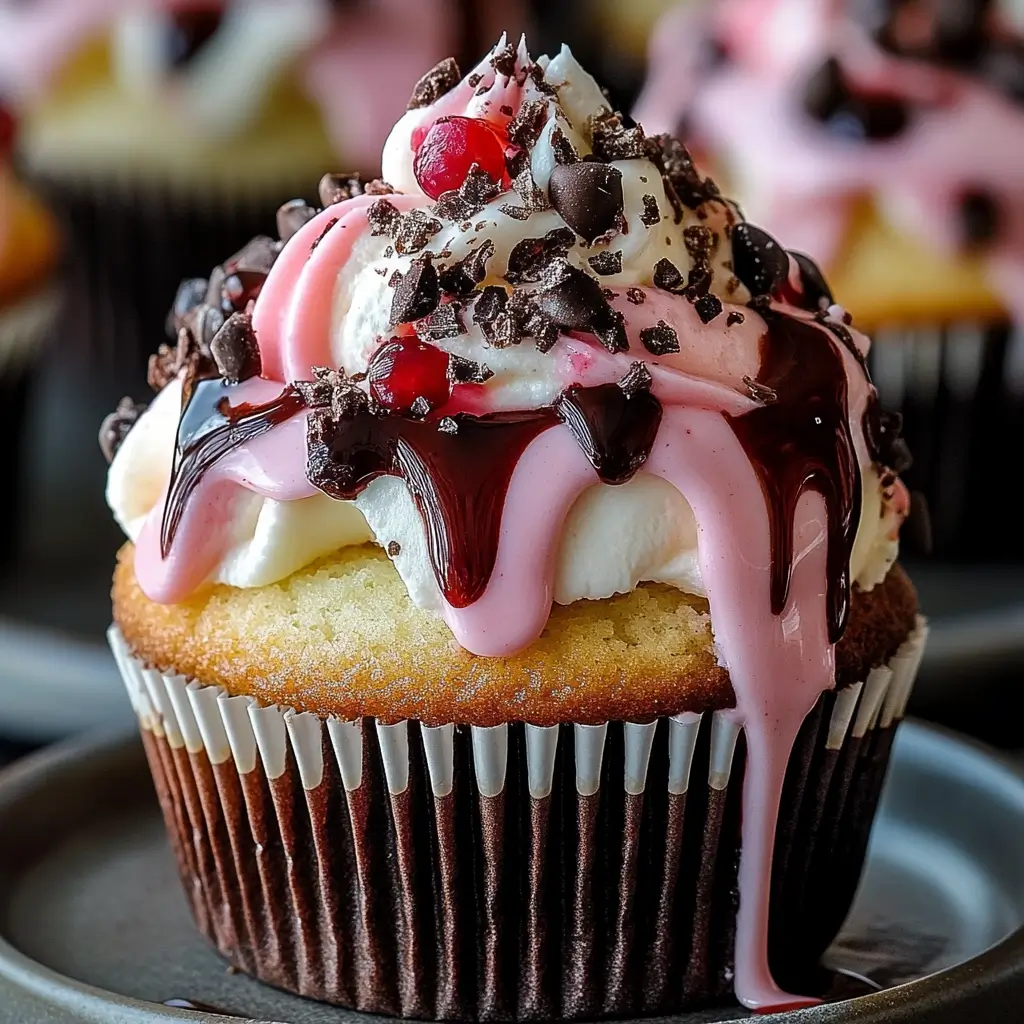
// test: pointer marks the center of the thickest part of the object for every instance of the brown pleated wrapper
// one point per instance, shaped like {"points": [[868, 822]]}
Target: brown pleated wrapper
{"points": [[505, 874], [960, 390]]}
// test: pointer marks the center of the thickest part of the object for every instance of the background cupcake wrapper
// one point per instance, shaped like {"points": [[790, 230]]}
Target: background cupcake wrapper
{"points": [[514, 872], [961, 391]]}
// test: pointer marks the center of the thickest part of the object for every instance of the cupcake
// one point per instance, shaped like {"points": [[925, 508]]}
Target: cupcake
{"points": [[167, 131], [511, 606], [888, 140], [28, 302]]}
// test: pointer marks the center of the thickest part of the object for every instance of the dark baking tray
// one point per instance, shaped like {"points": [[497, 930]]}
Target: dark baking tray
{"points": [[93, 926]]}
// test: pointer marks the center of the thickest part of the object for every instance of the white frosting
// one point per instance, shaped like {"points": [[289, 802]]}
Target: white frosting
{"points": [[615, 536]]}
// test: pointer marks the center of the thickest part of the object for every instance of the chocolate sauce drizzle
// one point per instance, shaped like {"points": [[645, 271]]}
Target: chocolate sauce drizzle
{"points": [[210, 428], [802, 441]]}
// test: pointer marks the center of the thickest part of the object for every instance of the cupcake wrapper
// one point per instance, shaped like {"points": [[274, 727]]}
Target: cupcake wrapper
{"points": [[131, 244], [961, 391], [515, 872]]}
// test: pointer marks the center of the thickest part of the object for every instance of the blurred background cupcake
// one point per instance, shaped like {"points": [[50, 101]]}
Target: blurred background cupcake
{"points": [[28, 302], [901, 124]]}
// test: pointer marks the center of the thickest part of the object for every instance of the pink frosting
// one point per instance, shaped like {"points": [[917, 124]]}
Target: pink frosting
{"points": [[748, 116]]}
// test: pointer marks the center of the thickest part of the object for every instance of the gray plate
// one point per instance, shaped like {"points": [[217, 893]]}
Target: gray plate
{"points": [[93, 926]]}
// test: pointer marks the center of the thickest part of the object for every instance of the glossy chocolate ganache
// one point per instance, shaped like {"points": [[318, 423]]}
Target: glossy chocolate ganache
{"points": [[538, 303]]}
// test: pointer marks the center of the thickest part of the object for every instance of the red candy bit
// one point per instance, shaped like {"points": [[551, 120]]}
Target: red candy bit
{"points": [[8, 130], [404, 369], [452, 146]]}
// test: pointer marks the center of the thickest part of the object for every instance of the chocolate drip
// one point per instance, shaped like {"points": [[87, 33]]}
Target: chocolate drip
{"points": [[458, 479], [210, 428], [802, 441]]}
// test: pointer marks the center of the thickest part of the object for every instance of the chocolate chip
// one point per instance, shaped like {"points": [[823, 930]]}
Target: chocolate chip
{"points": [[606, 263], [235, 350], [573, 300], [383, 217], [529, 257], [980, 218], [293, 215], [817, 294], [612, 140], [417, 293], [651, 214], [667, 276], [828, 98], [466, 371], [462, 277], [336, 188], [734, 318], [415, 230], [116, 426], [441, 78], [660, 340], [638, 378], [524, 129], [504, 61], [394, 549], [636, 296], [587, 196], [758, 260]]}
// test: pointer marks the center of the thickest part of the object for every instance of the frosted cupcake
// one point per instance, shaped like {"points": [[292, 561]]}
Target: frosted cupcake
{"points": [[28, 303], [888, 140], [168, 130], [511, 609]]}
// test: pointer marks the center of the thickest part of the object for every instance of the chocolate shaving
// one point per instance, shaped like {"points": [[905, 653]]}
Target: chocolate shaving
{"points": [[606, 263], [528, 259], [673, 159], [565, 152], [573, 300], [462, 277], [415, 230], [383, 217], [293, 215], [444, 322], [417, 293], [116, 427], [660, 340], [651, 214], [420, 408], [734, 318], [334, 390], [536, 74], [336, 188], [440, 79], [488, 307], [323, 234], [235, 349], [533, 197], [760, 392], [515, 212], [447, 425], [524, 129], [667, 276], [612, 140], [466, 371], [638, 378], [708, 307]]}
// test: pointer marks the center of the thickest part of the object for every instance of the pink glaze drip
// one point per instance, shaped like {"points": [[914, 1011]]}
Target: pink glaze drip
{"points": [[748, 117]]}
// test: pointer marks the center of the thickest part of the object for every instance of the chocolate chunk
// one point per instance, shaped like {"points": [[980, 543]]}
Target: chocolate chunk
{"points": [[383, 217], [444, 322], [667, 276], [116, 426], [1002, 66], [504, 61], [515, 212], [817, 294], [235, 350], [660, 340], [448, 425], [700, 241], [708, 307], [417, 293], [291, 216], [636, 296], [323, 234], [336, 188], [529, 257], [760, 392], [440, 79], [673, 159], [420, 408], [466, 371], [415, 230], [394, 549], [734, 318], [462, 277], [503, 331], [475, 192], [489, 305], [758, 260], [606, 263], [334, 390], [980, 218], [612, 140], [378, 187], [638, 378], [524, 129], [565, 152], [587, 196], [573, 300], [651, 214], [828, 98]]}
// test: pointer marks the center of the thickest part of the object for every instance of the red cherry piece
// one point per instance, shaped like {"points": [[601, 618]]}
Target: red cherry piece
{"points": [[450, 149], [8, 130], [405, 369]]}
